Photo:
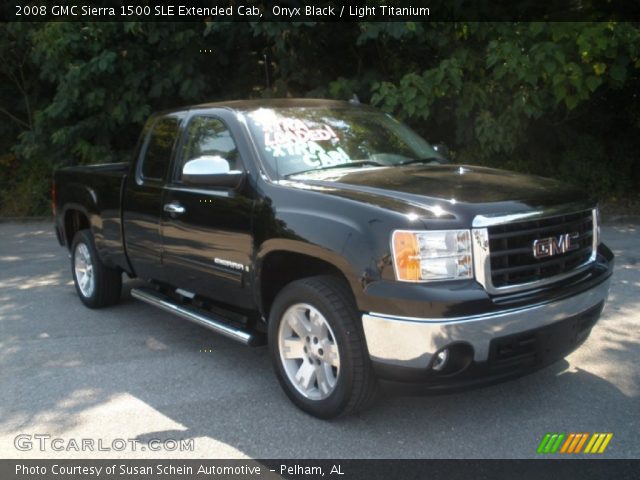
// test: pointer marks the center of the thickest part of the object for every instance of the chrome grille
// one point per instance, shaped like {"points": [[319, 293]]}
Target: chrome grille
{"points": [[503, 248], [511, 251]]}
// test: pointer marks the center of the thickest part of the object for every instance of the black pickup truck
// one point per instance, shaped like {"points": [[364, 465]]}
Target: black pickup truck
{"points": [[344, 240]]}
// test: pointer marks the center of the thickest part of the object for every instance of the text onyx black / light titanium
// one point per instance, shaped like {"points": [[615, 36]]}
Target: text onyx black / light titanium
{"points": [[547, 247]]}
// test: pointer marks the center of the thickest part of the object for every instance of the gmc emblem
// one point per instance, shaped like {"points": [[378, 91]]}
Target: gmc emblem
{"points": [[547, 247]]}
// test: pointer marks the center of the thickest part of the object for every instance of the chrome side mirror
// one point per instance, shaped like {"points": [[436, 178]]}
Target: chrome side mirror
{"points": [[212, 171], [442, 150]]}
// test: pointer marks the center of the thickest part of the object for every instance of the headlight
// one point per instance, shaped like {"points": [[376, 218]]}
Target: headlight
{"points": [[432, 255]]}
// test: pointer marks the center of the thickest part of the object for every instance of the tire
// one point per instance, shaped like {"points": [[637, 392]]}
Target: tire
{"points": [[317, 348], [97, 284]]}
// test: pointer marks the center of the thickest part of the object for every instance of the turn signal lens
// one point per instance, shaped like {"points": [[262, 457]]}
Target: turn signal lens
{"points": [[406, 256], [432, 255]]}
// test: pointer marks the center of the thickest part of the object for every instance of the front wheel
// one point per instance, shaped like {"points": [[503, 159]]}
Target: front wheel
{"points": [[317, 348], [97, 284]]}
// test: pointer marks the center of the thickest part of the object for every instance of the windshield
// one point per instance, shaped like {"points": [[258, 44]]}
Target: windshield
{"points": [[301, 140]]}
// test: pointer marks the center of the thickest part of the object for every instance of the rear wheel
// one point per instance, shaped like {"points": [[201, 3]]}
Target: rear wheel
{"points": [[318, 349], [97, 284]]}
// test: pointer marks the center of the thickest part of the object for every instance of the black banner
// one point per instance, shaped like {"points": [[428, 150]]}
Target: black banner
{"points": [[318, 10], [314, 469]]}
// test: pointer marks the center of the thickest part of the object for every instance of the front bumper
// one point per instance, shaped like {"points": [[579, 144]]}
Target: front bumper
{"points": [[405, 347]]}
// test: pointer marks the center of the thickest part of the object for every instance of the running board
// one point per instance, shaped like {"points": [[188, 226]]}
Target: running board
{"points": [[156, 299]]}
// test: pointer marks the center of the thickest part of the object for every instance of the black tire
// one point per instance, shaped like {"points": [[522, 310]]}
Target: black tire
{"points": [[355, 383], [107, 282]]}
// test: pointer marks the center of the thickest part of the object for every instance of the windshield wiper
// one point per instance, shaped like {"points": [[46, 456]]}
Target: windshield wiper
{"points": [[357, 163], [439, 160]]}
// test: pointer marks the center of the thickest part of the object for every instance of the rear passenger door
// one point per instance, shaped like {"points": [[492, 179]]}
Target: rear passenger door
{"points": [[207, 241], [142, 202]]}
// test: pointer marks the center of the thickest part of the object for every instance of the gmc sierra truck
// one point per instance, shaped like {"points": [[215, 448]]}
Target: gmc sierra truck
{"points": [[341, 238]]}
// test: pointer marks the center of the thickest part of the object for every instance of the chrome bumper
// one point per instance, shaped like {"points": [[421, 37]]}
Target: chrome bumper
{"points": [[411, 342]]}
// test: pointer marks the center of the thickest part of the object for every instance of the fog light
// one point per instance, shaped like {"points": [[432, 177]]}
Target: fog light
{"points": [[441, 360], [452, 359]]}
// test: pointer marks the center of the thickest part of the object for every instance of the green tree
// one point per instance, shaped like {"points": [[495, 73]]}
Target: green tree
{"points": [[496, 85], [21, 95], [552, 98]]}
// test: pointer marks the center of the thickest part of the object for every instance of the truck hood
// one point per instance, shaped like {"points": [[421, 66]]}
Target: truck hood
{"points": [[445, 188]]}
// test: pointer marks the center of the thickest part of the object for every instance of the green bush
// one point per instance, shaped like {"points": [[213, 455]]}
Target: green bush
{"points": [[555, 99]]}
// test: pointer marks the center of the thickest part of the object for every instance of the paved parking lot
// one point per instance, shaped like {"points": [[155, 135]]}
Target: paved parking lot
{"points": [[133, 372]]}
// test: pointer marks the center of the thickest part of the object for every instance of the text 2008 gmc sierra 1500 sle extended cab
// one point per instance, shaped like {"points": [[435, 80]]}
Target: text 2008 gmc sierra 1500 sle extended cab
{"points": [[346, 241]]}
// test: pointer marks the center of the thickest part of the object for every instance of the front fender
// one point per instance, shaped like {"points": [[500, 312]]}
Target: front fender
{"points": [[336, 240]]}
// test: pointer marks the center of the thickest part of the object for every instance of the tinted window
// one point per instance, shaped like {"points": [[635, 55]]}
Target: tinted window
{"points": [[208, 136], [158, 155]]}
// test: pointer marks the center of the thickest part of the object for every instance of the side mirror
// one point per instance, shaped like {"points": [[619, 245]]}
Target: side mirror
{"points": [[442, 149], [212, 171]]}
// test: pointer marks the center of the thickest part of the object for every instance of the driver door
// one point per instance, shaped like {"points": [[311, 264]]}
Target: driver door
{"points": [[206, 228]]}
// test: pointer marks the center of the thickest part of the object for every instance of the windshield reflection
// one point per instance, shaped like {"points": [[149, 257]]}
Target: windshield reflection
{"points": [[299, 140]]}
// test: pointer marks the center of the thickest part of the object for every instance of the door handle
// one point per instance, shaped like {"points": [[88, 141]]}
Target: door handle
{"points": [[175, 208]]}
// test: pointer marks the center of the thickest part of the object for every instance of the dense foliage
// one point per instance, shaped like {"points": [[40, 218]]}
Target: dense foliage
{"points": [[558, 99]]}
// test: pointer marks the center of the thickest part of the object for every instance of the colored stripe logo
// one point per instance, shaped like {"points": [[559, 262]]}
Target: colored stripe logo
{"points": [[574, 443]]}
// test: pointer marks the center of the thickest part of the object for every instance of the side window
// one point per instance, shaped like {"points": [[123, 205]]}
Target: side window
{"points": [[158, 154], [208, 136]]}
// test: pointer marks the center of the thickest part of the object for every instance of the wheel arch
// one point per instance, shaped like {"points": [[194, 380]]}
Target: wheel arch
{"points": [[75, 218], [277, 267]]}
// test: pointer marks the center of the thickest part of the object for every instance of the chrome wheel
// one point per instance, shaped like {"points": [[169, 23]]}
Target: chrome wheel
{"points": [[83, 268], [308, 351]]}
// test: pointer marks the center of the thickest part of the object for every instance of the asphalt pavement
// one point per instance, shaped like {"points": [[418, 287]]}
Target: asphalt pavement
{"points": [[71, 377]]}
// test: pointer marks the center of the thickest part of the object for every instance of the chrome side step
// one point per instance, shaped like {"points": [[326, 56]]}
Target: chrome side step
{"points": [[217, 325]]}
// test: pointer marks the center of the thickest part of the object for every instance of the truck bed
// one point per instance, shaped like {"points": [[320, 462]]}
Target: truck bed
{"points": [[95, 190]]}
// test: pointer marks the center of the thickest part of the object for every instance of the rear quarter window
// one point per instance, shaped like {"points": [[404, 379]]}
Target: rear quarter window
{"points": [[162, 139]]}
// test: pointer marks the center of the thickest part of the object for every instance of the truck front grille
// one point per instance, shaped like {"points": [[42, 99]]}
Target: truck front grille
{"points": [[511, 248]]}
